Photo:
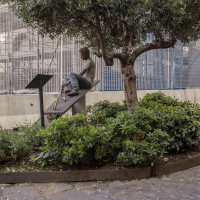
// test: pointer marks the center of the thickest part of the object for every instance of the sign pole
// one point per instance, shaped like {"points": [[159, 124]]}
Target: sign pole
{"points": [[41, 107]]}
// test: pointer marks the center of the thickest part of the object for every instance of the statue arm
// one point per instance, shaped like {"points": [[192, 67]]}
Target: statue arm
{"points": [[83, 72]]}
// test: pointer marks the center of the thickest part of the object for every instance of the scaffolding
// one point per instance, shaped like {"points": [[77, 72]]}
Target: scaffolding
{"points": [[24, 54]]}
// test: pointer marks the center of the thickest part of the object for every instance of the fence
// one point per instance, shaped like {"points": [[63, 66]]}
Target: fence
{"points": [[24, 53]]}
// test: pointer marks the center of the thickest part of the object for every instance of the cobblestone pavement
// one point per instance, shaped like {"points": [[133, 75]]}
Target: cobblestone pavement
{"points": [[183, 185]]}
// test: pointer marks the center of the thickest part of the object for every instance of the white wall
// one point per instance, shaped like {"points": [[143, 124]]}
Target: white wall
{"points": [[18, 109]]}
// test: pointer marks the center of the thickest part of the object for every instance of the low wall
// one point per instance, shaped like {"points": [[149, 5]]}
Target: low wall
{"points": [[18, 109]]}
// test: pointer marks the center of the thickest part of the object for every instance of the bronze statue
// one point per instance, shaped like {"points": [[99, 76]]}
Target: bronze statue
{"points": [[78, 81]]}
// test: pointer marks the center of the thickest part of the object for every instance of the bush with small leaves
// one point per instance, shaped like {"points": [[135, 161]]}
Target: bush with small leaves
{"points": [[68, 139], [154, 100], [128, 125], [14, 144], [100, 112], [181, 120], [157, 125], [182, 123], [30, 131], [135, 152]]}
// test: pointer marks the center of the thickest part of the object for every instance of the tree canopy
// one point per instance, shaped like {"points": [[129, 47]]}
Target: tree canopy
{"points": [[109, 24]]}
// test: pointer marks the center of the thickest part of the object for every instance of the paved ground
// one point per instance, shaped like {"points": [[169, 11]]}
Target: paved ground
{"points": [[178, 186]]}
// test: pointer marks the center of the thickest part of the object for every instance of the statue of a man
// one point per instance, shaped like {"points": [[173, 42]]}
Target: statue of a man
{"points": [[78, 81]]}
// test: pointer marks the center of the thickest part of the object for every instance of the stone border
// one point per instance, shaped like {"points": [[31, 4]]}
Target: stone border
{"points": [[97, 175]]}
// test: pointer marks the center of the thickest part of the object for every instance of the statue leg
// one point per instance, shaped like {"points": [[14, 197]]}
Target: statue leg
{"points": [[81, 81], [74, 81], [78, 82]]}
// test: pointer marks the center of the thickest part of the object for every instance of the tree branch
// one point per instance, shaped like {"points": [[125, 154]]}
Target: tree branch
{"points": [[126, 36], [151, 46], [99, 55], [108, 61], [111, 55]]}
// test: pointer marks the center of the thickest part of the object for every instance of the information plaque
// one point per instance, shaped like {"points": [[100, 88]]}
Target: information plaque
{"points": [[38, 82]]}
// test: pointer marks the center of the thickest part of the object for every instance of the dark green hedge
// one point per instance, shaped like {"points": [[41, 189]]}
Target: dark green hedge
{"points": [[109, 132]]}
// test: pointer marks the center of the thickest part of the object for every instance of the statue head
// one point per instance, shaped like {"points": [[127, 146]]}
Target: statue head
{"points": [[84, 53]]}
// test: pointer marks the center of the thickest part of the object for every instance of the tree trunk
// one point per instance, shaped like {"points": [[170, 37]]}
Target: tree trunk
{"points": [[129, 82]]}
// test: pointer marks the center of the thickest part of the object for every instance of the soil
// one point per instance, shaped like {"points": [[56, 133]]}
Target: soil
{"points": [[26, 164]]}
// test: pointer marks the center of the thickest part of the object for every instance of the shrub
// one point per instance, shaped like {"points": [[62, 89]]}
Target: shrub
{"points": [[157, 125], [68, 139], [154, 100], [183, 126], [135, 152], [179, 119], [13, 144], [18, 143], [133, 126], [31, 133], [100, 112]]}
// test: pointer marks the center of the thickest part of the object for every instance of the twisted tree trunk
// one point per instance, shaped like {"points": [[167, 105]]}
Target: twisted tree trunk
{"points": [[129, 82]]}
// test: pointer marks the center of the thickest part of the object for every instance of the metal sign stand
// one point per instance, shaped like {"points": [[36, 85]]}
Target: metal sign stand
{"points": [[38, 82]]}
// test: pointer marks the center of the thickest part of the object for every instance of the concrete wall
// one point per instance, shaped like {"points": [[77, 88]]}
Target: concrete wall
{"points": [[21, 109]]}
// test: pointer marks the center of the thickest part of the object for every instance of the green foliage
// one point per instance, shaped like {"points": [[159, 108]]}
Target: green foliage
{"points": [[133, 126], [181, 120], [110, 132], [20, 143], [135, 152], [101, 111], [154, 100], [68, 139], [159, 124], [31, 133], [163, 19], [182, 124]]}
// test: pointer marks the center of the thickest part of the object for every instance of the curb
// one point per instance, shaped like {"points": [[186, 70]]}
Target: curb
{"points": [[98, 175]]}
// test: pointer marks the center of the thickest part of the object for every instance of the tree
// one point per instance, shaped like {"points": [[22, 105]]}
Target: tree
{"points": [[116, 29]]}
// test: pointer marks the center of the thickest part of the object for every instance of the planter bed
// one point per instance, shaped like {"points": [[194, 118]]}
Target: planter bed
{"points": [[161, 166]]}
